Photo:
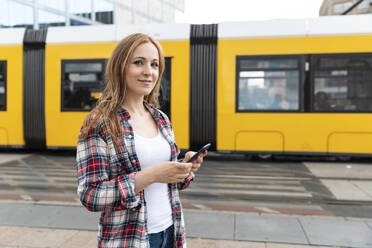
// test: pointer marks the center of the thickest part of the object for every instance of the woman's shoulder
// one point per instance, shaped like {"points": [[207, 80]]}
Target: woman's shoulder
{"points": [[94, 124], [158, 111]]}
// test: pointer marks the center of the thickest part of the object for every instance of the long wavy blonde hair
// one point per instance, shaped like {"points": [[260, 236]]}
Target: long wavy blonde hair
{"points": [[115, 91]]}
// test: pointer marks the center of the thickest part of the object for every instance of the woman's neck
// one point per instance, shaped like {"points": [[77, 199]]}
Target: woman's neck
{"points": [[134, 105]]}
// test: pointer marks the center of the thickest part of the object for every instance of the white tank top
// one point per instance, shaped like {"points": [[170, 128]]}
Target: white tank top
{"points": [[151, 151]]}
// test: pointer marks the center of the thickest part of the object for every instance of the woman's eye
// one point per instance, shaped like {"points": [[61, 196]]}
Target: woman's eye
{"points": [[155, 65], [138, 62]]}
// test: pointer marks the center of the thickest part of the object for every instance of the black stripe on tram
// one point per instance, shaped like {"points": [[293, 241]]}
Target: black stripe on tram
{"points": [[34, 88], [203, 85]]}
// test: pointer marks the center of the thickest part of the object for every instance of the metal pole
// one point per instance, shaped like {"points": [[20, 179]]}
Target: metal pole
{"points": [[36, 16], [68, 22], [93, 12]]}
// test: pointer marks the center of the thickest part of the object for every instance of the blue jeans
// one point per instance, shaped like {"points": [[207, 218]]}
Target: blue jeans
{"points": [[164, 239]]}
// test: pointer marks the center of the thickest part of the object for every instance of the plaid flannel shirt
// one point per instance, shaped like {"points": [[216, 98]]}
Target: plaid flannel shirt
{"points": [[106, 180]]}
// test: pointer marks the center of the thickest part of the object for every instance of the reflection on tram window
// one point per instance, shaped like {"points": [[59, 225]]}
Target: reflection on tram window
{"points": [[268, 84], [165, 89], [82, 83], [2, 85], [343, 83]]}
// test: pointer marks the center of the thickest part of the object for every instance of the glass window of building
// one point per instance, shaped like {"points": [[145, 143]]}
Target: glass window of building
{"points": [[342, 83], [54, 4], [48, 19], [268, 84], [126, 3], [156, 9], [338, 8], [15, 14], [82, 83], [363, 5], [104, 11], [140, 5], [2, 85], [82, 8]]}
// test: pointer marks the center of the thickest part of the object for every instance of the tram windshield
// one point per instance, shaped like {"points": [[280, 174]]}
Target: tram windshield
{"points": [[343, 83]]}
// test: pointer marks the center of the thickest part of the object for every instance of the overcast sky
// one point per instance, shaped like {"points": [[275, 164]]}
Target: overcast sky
{"points": [[216, 11]]}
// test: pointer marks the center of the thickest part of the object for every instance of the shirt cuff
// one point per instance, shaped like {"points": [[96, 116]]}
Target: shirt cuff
{"points": [[126, 188]]}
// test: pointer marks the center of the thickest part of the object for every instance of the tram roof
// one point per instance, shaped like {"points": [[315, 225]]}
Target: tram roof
{"points": [[11, 36], [112, 33], [322, 26]]}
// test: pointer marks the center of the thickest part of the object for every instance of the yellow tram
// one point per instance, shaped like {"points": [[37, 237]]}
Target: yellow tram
{"points": [[301, 87]]}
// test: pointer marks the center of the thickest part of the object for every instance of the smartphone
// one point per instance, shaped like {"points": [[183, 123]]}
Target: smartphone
{"points": [[201, 150]]}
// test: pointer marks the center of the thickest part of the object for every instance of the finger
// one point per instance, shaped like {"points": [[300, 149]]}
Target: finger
{"points": [[188, 155], [200, 157], [195, 167], [199, 160], [182, 177], [186, 167]]}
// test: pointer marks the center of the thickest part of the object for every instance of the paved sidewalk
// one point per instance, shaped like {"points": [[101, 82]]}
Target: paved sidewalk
{"points": [[32, 237], [236, 228]]}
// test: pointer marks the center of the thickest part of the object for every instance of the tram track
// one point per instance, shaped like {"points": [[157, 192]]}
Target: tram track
{"points": [[282, 177], [274, 199]]}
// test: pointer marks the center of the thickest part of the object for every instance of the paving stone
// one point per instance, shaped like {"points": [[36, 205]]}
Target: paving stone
{"points": [[365, 186], [272, 245], [40, 237], [210, 243], [369, 223], [201, 243], [209, 225], [82, 239], [346, 190], [340, 170], [337, 232], [270, 228], [69, 217], [238, 244], [9, 234]]}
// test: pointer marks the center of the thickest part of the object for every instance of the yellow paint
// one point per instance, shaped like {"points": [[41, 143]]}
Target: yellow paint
{"points": [[264, 140], [355, 142], [96, 95], [180, 90], [62, 128], [302, 132], [11, 120]]}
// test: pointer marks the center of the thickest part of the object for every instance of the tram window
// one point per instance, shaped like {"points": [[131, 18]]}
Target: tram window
{"points": [[342, 83], [268, 83], [2, 85], [82, 83], [165, 88]]}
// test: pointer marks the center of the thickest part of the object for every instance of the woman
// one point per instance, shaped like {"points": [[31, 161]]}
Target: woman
{"points": [[126, 154]]}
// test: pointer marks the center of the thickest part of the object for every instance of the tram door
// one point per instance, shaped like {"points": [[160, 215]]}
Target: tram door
{"points": [[165, 89]]}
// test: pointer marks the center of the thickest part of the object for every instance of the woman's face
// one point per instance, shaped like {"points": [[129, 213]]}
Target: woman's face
{"points": [[143, 70]]}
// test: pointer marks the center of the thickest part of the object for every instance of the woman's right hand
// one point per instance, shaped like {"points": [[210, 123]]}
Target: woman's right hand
{"points": [[171, 172]]}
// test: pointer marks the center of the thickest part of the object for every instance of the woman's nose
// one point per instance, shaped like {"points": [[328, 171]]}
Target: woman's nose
{"points": [[147, 69]]}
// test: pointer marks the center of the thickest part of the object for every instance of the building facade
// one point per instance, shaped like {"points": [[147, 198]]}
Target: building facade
{"points": [[337, 7], [44, 13]]}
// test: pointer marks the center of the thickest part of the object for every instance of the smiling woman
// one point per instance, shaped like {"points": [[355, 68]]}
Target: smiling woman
{"points": [[127, 156]]}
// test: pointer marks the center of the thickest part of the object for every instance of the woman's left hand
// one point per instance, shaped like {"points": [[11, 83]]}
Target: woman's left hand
{"points": [[198, 161]]}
